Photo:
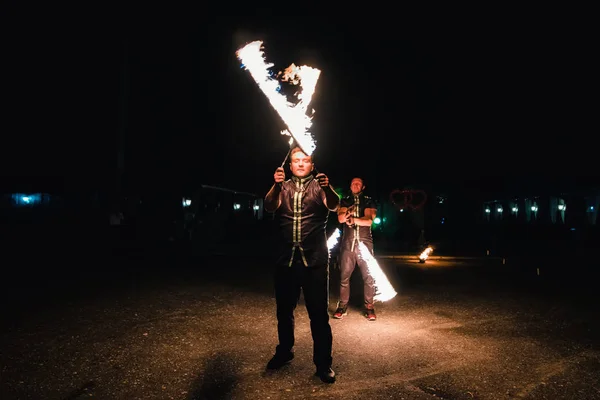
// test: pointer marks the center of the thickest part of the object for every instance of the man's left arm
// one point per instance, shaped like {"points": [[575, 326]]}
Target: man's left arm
{"points": [[330, 197], [367, 219], [369, 214]]}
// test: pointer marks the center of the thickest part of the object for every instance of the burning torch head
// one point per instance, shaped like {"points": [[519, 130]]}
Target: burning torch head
{"points": [[425, 254]]}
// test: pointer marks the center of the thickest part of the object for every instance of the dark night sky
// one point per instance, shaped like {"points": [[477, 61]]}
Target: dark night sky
{"points": [[446, 100]]}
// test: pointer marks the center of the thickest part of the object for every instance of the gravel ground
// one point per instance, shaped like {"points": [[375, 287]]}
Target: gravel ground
{"points": [[175, 328]]}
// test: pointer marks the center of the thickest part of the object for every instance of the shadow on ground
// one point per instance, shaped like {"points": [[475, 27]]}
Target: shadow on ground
{"points": [[162, 325]]}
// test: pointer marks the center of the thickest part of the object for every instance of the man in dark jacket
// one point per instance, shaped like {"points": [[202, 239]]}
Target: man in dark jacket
{"points": [[357, 213], [301, 206]]}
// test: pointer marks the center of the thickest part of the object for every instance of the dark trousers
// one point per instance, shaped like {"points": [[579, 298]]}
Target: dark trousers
{"points": [[348, 260], [314, 283]]}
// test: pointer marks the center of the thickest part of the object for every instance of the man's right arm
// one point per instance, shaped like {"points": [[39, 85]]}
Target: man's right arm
{"points": [[342, 211], [272, 199], [342, 214]]}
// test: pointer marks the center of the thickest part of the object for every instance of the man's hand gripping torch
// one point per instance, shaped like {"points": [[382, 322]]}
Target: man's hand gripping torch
{"points": [[350, 216]]}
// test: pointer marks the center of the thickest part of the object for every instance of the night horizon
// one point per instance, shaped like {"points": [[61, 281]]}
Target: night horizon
{"points": [[425, 105]]}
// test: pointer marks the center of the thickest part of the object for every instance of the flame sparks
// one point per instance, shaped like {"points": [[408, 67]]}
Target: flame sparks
{"points": [[285, 132], [384, 291], [333, 239], [293, 115]]}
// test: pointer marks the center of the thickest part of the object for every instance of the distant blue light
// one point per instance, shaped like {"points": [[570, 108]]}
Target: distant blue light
{"points": [[21, 199]]}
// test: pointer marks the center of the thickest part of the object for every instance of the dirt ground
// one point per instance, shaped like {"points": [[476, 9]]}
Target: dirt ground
{"points": [[177, 328]]}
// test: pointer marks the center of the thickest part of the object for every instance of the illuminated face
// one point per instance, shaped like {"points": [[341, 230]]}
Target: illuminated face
{"points": [[301, 164], [356, 186]]}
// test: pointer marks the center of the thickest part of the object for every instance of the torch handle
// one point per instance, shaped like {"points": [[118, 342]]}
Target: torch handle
{"points": [[286, 157]]}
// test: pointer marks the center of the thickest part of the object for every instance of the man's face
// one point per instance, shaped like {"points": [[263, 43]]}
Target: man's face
{"points": [[301, 164], [356, 186]]}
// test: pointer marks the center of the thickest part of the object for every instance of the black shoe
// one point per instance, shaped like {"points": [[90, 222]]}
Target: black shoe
{"points": [[279, 360], [326, 375]]}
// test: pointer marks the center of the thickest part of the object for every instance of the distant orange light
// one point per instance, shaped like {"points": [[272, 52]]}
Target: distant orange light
{"points": [[425, 254]]}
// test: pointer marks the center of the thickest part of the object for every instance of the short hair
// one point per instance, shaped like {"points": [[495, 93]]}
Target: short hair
{"points": [[296, 149], [362, 181]]}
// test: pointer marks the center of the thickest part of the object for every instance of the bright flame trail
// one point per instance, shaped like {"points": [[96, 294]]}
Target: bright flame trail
{"points": [[333, 239], [383, 289], [425, 254], [293, 115]]}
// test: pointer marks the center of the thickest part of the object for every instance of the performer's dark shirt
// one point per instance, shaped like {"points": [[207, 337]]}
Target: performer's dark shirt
{"points": [[351, 235], [302, 219]]}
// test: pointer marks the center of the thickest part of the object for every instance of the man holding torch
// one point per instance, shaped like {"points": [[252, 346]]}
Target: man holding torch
{"points": [[301, 206], [357, 213]]}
